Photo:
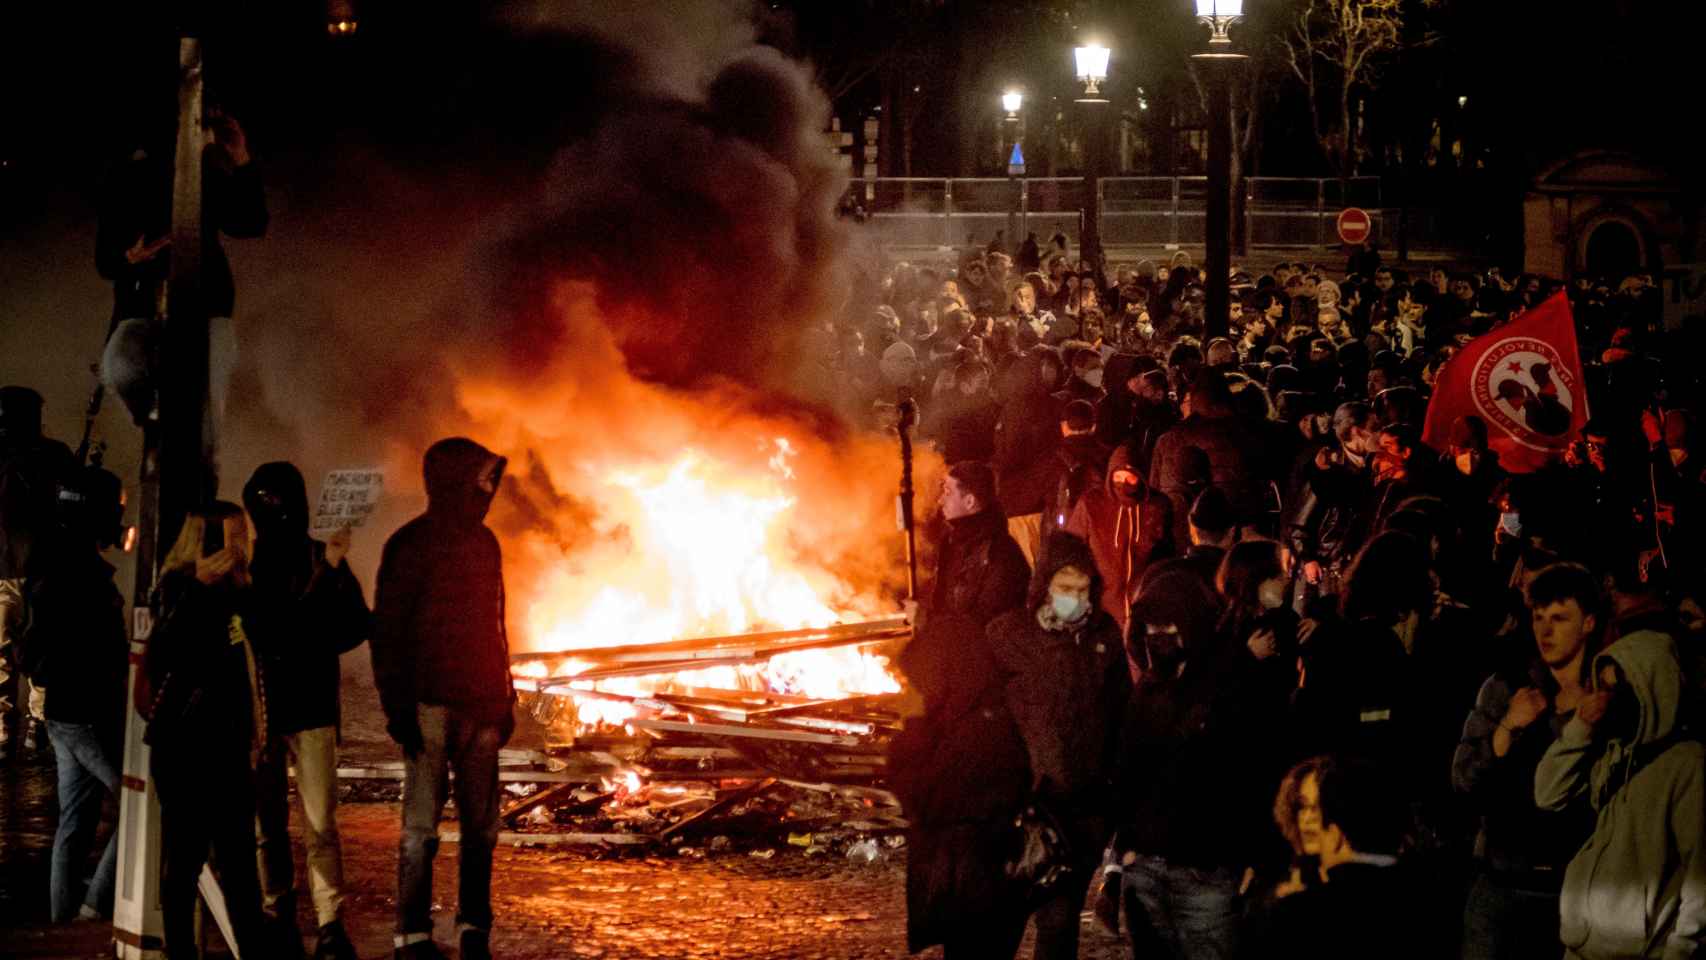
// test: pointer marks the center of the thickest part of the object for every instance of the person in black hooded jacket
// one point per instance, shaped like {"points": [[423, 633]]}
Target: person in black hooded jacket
{"points": [[1065, 683], [441, 661], [307, 609], [1191, 786]]}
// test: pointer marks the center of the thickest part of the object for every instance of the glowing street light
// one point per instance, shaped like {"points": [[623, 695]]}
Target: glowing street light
{"points": [[1092, 62], [1011, 101], [1220, 15]]}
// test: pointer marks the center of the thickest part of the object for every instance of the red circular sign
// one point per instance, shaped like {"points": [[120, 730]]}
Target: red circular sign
{"points": [[1354, 225]]}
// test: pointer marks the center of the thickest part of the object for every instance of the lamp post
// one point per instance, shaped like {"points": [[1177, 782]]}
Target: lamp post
{"points": [[1012, 101], [1091, 62], [1217, 65]]}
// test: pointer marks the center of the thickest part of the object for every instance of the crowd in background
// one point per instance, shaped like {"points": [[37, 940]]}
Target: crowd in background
{"points": [[1277, 677]]}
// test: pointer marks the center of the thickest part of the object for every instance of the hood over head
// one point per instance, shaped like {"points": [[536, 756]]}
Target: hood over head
{"points": [[1178, 598], [1120, 460], [1650, 666], [462, 477], [1063, 550], [277, 500]]}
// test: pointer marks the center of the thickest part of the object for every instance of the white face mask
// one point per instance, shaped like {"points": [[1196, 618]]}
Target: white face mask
{"points": [[1092, 376], [1677, 456], [1465, 463], [1069, 607], [1271, 594]]}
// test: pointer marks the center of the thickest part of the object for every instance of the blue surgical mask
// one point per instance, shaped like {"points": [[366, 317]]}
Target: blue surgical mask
{"points": [[1069, 607]]}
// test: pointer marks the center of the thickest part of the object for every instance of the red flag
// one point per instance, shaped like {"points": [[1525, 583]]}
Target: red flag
{"points": [[1524, 380]]}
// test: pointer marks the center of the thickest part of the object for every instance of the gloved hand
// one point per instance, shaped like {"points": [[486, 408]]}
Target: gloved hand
{"points": [[1106, 905], [406, 731]]}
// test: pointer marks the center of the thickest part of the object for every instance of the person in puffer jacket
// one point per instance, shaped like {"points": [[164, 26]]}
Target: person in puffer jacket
{"points": [[1638, 887], [441, 661]]}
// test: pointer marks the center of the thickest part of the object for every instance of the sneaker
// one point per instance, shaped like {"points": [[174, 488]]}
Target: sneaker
{"points": [[420, 950], [476, 945], [333, 943]]}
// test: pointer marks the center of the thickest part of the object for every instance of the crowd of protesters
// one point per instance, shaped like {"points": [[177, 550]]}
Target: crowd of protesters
{"points": [[1220, 641], [1215, 640]]}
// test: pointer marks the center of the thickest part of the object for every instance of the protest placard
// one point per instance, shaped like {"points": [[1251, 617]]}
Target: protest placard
{"points": [[347, 499]]}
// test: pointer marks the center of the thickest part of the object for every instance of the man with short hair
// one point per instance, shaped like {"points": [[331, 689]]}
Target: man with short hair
{"points": [[1637, 888], [1519, 713]]}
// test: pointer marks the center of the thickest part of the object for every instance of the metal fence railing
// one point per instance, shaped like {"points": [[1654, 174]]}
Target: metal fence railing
{"points": [[1137, 211]]}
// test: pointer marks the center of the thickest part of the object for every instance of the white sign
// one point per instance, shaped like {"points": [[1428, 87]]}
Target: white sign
{"points": [[347, 499]]}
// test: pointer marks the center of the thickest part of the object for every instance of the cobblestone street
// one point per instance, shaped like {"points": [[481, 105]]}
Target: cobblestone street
{"points": [[549, 903]]}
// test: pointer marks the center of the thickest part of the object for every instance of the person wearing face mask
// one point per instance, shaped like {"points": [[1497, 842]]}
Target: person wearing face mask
{"points": [[308, 609], [1212, 531], [1191, 791], [1332, 485], [1085, 382], [1637, 888], [441, 662], [1128, 526], [1065, 684], [202, 689]]}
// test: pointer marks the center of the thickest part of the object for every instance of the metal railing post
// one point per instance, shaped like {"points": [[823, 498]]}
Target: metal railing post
{"points": [[1173, 226], [1321, 212], [948, 212]]}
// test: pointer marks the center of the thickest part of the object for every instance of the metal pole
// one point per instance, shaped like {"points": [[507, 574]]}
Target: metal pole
{"points": [[1217, 238], [908, 417], [1090, 244]]}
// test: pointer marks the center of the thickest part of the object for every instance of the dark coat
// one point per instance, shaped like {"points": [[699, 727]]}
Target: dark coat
{"points": [[965, 427], [1028, 432], [30, 474], [1235, 455], [138, 203], [1194, 785], [1362, 911], [305, 613], [438, 631], [966, 736], [201, 692], [74, 642]]}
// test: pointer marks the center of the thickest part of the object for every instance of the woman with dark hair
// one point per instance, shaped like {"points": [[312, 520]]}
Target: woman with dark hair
{"points": [[1253, 581], [203, 696]]}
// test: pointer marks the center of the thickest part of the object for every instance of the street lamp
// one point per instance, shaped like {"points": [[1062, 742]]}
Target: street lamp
{"points": [[1219, 15], [1011, 101], [1217, 63], [1092, 62]]}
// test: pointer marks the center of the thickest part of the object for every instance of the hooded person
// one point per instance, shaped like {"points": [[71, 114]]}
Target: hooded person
{"points": [[307, 609], [1065, 684], [1191, 790], [441, 662], [1128, 526], [1637, 888]]}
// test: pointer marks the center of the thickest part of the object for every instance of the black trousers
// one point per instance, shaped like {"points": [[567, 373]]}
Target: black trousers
{"points": [[207, 815]]}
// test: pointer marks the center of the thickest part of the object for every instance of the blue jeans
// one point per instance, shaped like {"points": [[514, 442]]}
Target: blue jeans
{"points": [[450, 742], [1184, 913], [86, 768]]}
